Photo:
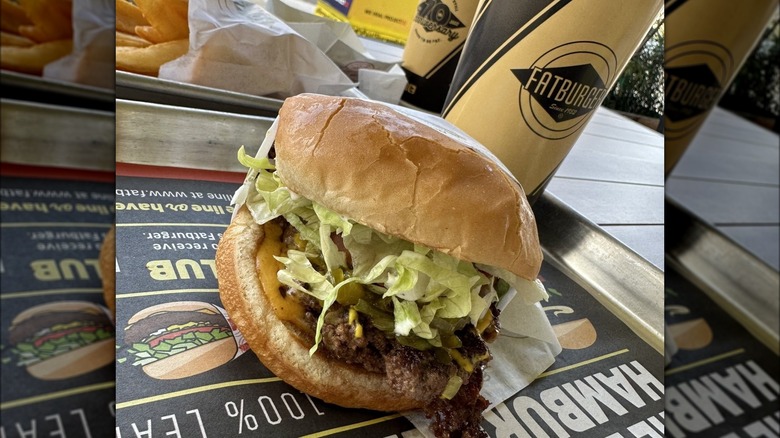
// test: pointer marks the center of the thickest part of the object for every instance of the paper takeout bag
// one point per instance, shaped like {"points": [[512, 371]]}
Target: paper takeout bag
{"points": [[239, 46], [381, 80], [92, 60]]}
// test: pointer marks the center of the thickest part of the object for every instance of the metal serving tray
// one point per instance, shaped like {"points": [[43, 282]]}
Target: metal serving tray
{"points": [[132, 86], [39, 134], [738, 281], [45, 86], [721, 311]]}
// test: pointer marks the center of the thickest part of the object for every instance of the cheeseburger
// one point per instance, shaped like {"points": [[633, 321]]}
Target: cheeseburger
{"points": [[369, 257]]}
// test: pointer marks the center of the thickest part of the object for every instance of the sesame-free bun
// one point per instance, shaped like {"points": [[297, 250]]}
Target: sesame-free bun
{"points": [[281, 351], [401, 177]]}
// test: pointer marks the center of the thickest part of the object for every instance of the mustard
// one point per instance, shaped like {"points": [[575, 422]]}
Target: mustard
{"points": [[464, 363]]}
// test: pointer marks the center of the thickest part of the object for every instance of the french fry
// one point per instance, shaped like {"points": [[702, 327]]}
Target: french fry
{"points": [[167, 18], [51, 20], [130, 40], [11, 39], [12, 16], [32, 59], [147, 60], [128, 16]]}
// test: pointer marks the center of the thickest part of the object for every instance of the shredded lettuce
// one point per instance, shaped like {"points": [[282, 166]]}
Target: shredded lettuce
{"points": [[407, 316], [426, 294]]}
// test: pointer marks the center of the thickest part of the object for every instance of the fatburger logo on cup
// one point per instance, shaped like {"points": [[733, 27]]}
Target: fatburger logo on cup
{"points": [[707, 42], [563, 86], [436, 16], [694, 76]]}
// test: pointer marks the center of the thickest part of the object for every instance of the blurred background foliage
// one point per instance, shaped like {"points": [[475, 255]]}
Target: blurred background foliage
{"points": [[755, 91], [640, 88]]}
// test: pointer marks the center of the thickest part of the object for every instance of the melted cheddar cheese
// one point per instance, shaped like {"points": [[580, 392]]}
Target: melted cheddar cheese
{"points": [[285, 309]]}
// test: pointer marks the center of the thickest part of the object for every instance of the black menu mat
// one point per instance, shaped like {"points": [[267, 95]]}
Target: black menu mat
{"points": [[723, 382], [58, 371]]}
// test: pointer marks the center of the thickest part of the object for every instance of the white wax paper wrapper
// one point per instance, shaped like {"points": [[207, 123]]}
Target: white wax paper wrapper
{"points": [[92, 60], [239, 46], [383, 86], [378, 79]]}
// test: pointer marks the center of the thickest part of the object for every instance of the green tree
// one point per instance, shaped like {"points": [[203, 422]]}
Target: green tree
{"points": [[755, 91], [640, 88]]}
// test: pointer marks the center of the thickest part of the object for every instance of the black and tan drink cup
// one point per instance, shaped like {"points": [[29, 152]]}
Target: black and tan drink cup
{"points": [[707, 41], [432, 51], [532, 74]]}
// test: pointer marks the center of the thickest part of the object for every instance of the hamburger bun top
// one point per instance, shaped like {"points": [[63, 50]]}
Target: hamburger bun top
{"points": [[401, 177]]}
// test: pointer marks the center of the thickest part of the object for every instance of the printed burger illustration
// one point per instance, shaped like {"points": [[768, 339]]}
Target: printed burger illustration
{"points": [[688, 333], [573, 334], [368, 259], [180, 339], [62, 339]]}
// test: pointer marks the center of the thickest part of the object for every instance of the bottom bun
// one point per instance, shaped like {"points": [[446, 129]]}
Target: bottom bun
{"points": [[194, 361], [76, 362], [278, 348]]}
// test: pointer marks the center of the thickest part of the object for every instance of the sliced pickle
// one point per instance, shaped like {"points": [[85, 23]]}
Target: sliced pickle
{"points": [[415, 342], [451, 341], [350, 294], [382, 320]]}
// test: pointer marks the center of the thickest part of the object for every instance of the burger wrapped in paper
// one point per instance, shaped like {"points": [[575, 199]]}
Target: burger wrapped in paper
{"points": [[369, 257]]}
